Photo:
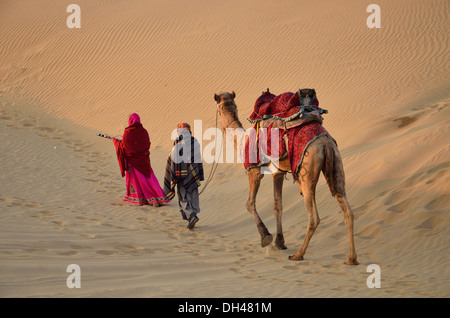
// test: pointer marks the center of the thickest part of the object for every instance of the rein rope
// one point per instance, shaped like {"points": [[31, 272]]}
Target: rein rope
{"points": [[215, 163]]}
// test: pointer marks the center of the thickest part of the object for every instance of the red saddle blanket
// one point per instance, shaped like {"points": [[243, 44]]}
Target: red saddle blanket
{"points": [[286, 107], [268, 143]]}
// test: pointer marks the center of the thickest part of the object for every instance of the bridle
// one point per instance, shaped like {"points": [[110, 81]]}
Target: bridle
{"points": [[219, 110]]}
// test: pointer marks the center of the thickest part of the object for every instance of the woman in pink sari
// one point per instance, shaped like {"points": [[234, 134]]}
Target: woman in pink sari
{"points": [[133, 154]]}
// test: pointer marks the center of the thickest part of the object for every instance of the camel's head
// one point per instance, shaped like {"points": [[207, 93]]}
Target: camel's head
{"points": [[306, 95], [227, 109], [225, 102]]}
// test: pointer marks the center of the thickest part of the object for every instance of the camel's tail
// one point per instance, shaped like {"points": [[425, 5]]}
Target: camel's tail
{"points": [[333, 169]]}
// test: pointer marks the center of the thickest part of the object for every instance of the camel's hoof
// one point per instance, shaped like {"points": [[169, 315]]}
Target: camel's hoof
{"points": [[352, 262], [266, 240], [279, 243], [281, 246], [296, 258]]}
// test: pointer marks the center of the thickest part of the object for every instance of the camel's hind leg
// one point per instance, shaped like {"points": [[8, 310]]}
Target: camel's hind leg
{"points": [[309, 175], [278, 179], [339, 179], [254, 179], [348, 219]]}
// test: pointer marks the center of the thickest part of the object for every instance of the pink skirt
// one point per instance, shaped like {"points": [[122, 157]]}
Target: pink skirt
{"points": [[142, 190]]}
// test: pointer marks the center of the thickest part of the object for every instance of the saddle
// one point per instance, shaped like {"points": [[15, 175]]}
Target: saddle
{"points": [[287, 110], [299, 119]]}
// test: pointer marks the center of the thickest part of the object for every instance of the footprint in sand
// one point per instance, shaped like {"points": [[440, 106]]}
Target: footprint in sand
{"points": [[339, 256], [118, 204], [404, 121], [80, 247], [236, 270], [440, 203], [370, 231], [430, 223], [403, 205], [6, 117], [50, 213], [33, 250], [291, 267], [334, 266], [45, 214], [107, 252], [7, 200], [68, 253], [28, 125], [308, 282]]}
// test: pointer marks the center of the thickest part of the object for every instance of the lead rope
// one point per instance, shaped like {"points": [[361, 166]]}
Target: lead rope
{"points": [[215, 163]]}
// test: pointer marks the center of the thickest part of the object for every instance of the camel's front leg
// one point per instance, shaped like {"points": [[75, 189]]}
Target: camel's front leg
{"points": [[254, 179], [313, 221], [309, 175], [278, 179]]}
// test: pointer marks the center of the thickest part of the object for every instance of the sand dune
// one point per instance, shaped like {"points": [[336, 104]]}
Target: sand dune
{"points": [[386, 90]]}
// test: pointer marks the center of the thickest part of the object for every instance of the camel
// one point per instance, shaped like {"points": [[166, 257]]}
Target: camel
{"points": [[321, 151]]}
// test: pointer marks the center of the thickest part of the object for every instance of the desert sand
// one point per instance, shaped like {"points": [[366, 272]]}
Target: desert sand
{"points": [[386, 90]]}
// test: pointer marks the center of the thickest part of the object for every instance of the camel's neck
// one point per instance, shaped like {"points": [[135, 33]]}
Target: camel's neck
{"points": [[234, 132]]}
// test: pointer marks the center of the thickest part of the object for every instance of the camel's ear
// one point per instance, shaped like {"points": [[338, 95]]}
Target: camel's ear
{"points": [[233, 94], [217, 98]]}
